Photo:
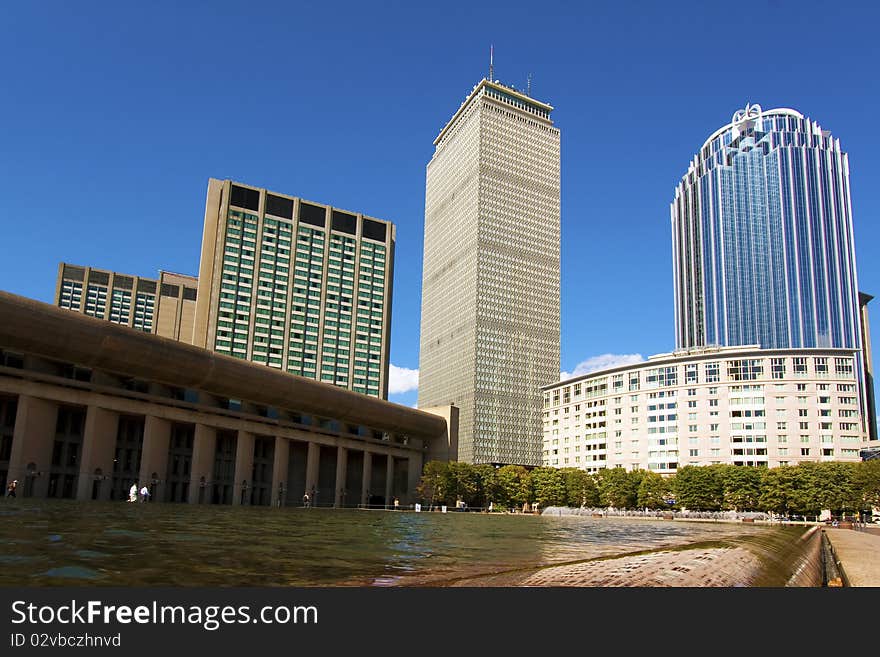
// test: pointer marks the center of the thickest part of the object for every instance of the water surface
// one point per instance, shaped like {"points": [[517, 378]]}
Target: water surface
{"points": [[51, 543]]}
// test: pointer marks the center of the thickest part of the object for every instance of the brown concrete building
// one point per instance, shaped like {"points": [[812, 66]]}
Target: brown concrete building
{"points": [[164, 307], [88, 407], [297, 286], [177, 306]]}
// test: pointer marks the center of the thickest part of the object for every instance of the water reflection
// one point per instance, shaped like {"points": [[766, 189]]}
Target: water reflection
{"points": [[118, 544]]}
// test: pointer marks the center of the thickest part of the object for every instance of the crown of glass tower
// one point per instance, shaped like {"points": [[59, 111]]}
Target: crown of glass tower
{"points": [[762, 238]]}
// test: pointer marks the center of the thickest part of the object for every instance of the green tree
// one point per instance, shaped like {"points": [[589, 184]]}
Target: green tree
{"points": [[653, 491], [485, 484], [742, 487], [548, 485], [433, 487], [804, 490], [832, 486], [699, 487], [867, 482], [465, 483], [779, 490], [513, 486], [806, 493], [580, 488], [618, 488]]}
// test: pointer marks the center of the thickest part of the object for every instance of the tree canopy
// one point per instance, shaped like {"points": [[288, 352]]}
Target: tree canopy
{"points": [[807, 488]]}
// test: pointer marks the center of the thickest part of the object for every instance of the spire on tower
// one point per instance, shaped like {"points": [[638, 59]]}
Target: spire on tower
{"points": [[491, 63]]}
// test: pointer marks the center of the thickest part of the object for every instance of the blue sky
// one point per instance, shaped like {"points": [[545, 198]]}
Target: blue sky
{"points": [[114, 115]]}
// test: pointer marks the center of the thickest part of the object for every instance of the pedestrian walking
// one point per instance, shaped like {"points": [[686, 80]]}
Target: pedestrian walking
{"points": [[10, 489], [145, 493], [133, 493], [306, 499]]}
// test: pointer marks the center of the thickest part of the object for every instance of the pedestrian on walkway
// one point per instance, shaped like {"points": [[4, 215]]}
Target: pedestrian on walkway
{"points": [[10, 489]]}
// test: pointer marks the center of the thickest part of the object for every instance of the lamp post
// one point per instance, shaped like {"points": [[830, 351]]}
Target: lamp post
{"points": [[154, 484], [30, 475], [280, 494], [203, 485]]}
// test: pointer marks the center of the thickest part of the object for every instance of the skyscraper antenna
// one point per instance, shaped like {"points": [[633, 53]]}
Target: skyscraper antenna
{"points": [[529, 86], [492, 63]]}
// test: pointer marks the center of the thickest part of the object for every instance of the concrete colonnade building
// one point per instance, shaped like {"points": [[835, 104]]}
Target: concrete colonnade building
{"points": [[88, 407], [490, 289]]}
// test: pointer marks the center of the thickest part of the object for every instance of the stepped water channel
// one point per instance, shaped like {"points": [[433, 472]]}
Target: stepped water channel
{"points": [[57, 543]]}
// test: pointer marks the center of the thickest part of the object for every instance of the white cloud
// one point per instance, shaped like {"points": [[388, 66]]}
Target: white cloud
{"points": [[603, 362], [401, 379]]}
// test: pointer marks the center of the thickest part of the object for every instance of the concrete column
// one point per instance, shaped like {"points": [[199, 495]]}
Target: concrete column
{"points": [[341, 472], [389, 482], [244, 468], [367, 476], [312, 465], [98, 449], [154, 456], [32, 441], [204, 446], [414, 476], [279, 471]]}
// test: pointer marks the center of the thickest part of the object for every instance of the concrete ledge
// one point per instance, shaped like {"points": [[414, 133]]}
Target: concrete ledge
{"points": [[858, 555]]}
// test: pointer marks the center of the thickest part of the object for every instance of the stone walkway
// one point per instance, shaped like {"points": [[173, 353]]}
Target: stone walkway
{"points": [[699, 567], [858, 555]]}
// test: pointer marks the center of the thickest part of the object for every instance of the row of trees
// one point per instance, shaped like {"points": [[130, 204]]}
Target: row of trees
{"points": [[804, 489]]}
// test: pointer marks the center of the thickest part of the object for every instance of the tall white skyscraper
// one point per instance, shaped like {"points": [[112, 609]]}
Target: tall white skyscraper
{"points": [[490, 289]]}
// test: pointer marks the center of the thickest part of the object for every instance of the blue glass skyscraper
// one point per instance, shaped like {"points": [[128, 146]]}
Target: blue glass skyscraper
{"points": [[762, 232]]}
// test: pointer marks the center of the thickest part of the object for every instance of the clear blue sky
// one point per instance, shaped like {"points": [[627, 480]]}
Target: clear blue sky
{"points": [[115, 114]]}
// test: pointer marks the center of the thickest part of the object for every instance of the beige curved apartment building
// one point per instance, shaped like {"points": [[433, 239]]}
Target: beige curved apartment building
{"points": [[737, 405]]}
